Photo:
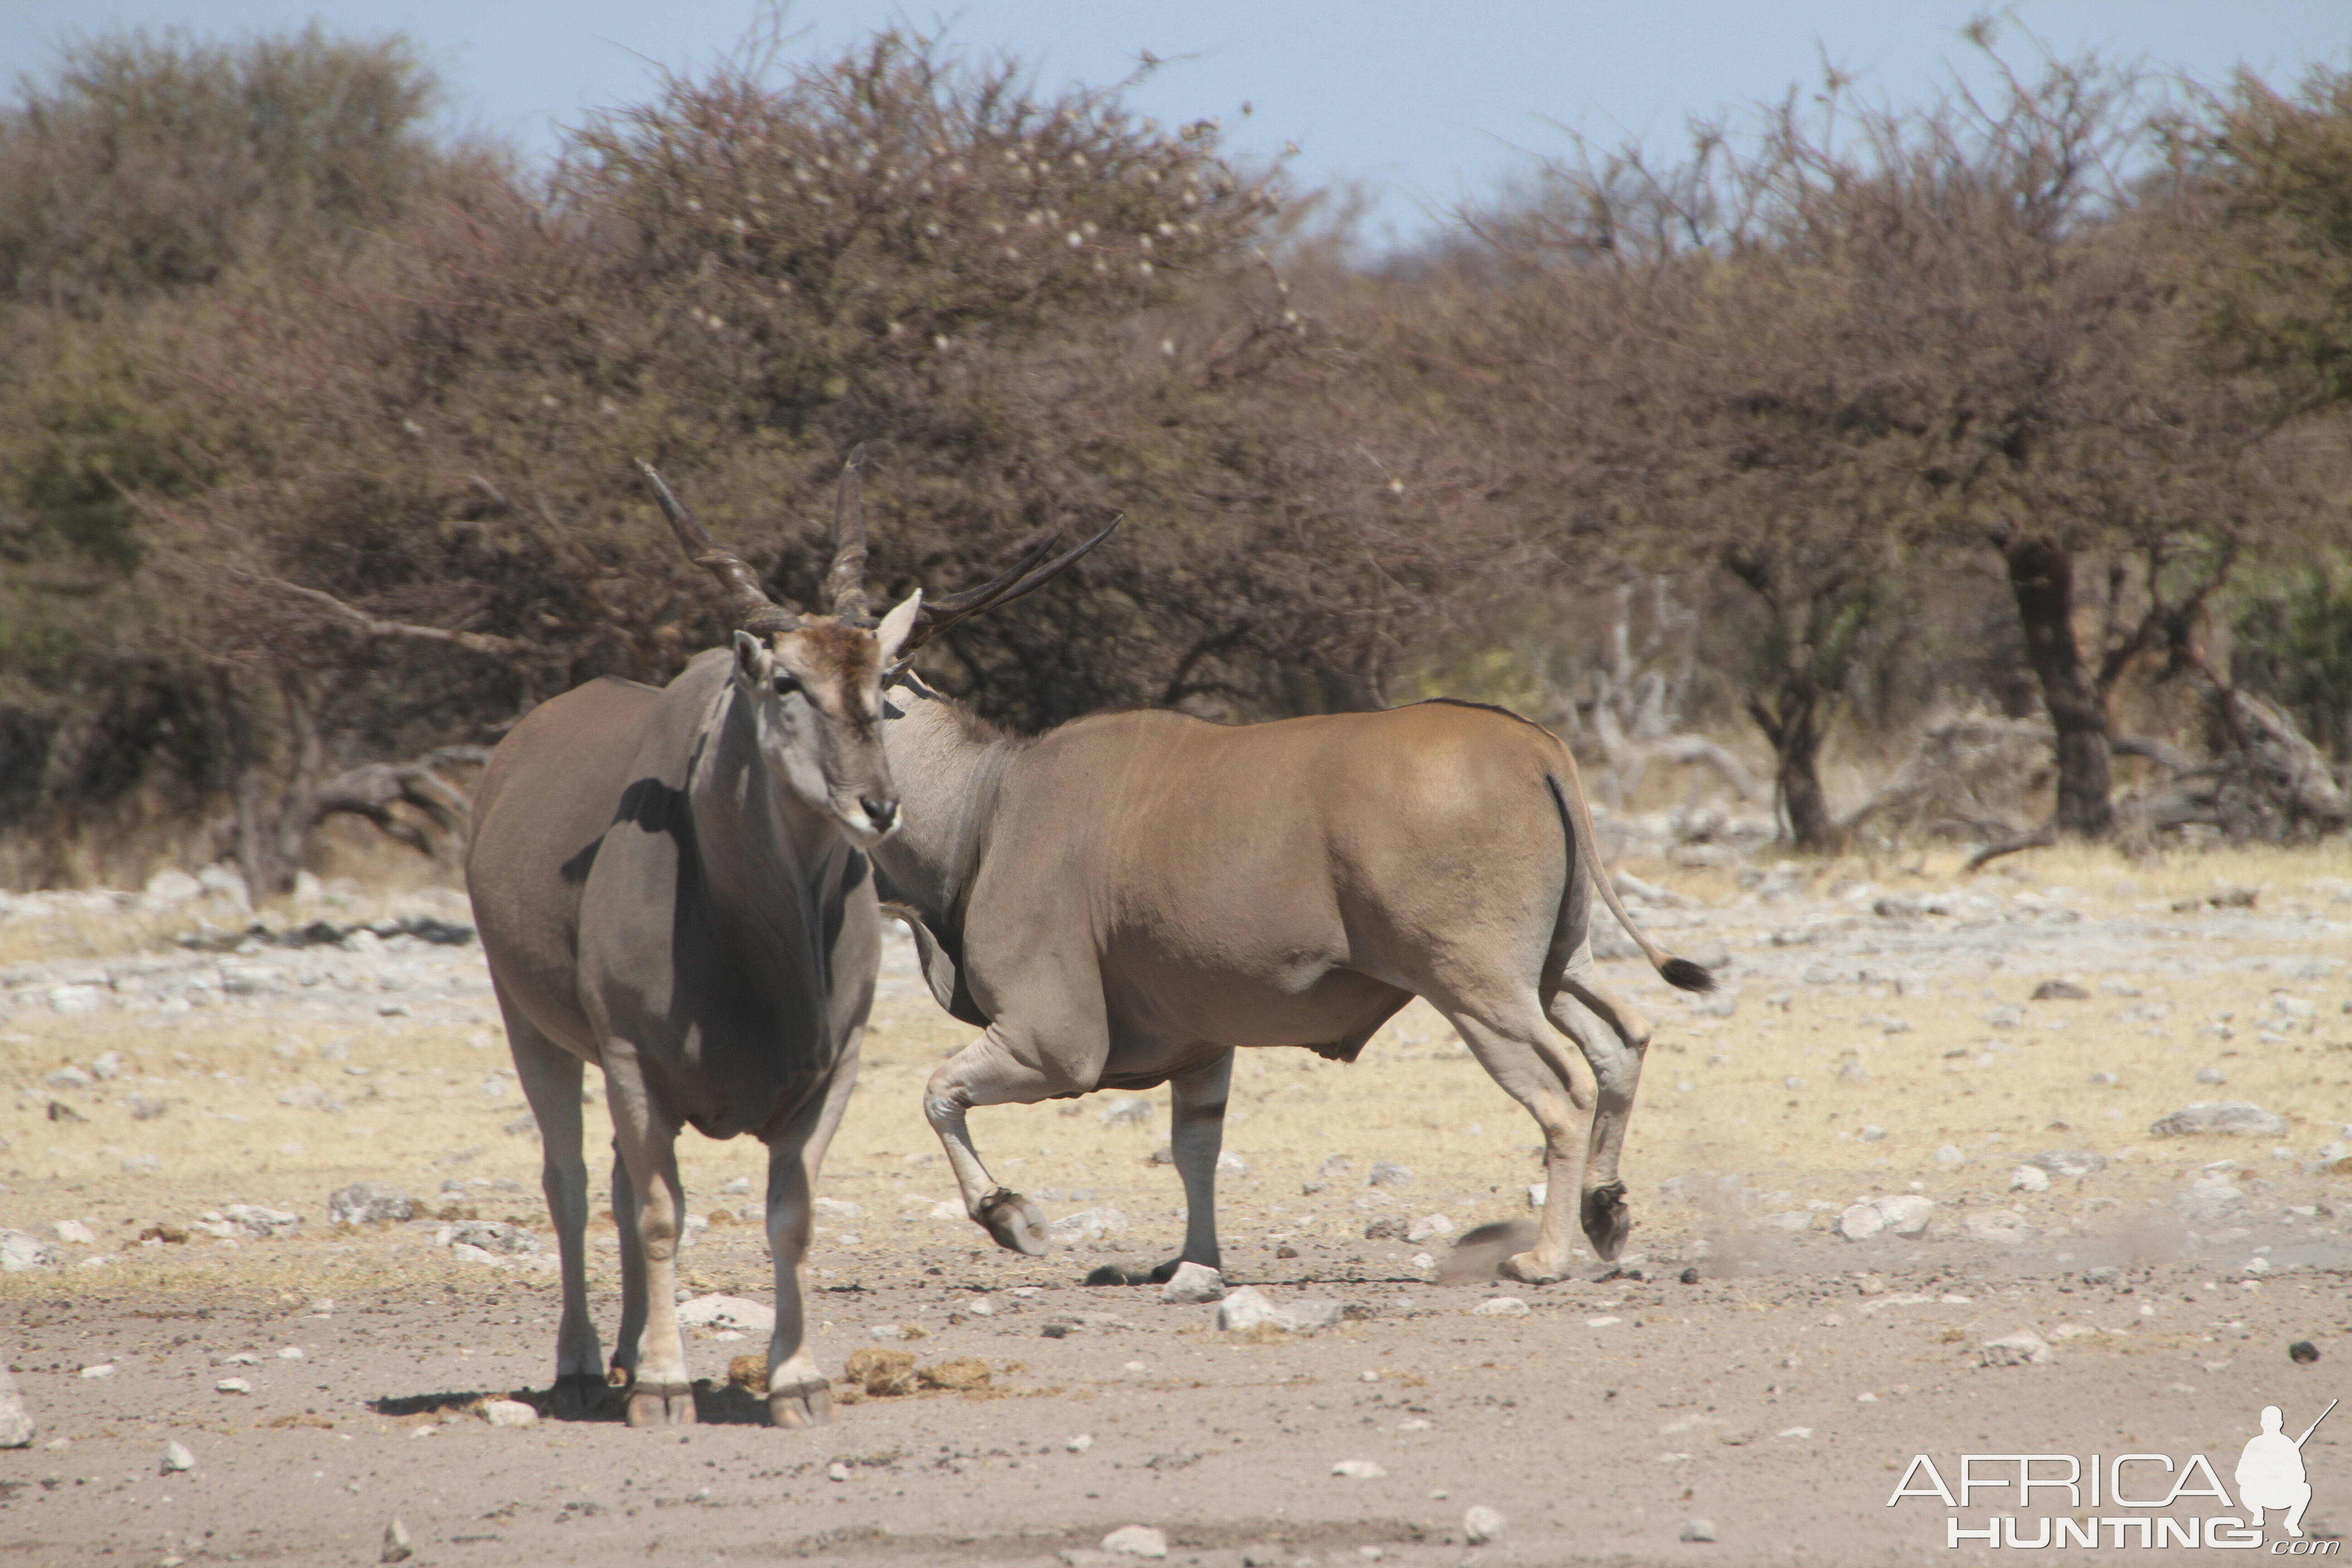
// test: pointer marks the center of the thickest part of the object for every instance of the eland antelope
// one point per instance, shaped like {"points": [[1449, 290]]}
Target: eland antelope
{"points": [[1122, 901], [673, 884]]}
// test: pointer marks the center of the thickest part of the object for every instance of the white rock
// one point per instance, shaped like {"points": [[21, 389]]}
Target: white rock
{"points": [[2075, 1163], [255, 1220], [176, 1458], [168, 890], [106, 1066], [2022, 1348], [2211, 1197], [1481, 1524], [72, 999], [21, 1251], [1126, 1110], [1231, 1165], [1086, 1224], [17, 1426], [467, 1252], [70, 1078], [1860, 1222], [1906, 1213], [1136, 1540], [1999, 1227], [948, 1208], [1194, 1283], [2029, 1179], [1950, 1155], [101, 1369], [1500, 1306], [727, 1312], [1428, 1226], [833, 1208], [1422, 1262], [1358, 1470], [1387, 1174], [1304, 1317], [74, 1231], [1537, 1193], [508, 1413], [495, 1235], [1081, 1443], [2231, 1117], [233, 1385], [1698, 1530], [1244, 1309]]}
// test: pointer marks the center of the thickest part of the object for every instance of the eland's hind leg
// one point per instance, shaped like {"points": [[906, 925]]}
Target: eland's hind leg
{"points": [[550, 1080], [1616, 1053], [994, 1070], [1196, 1129], [799, 1393], [1518, 1050]]}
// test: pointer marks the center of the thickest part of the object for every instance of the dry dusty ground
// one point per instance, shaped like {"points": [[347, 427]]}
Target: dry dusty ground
{"points": [[1882, 1038]]}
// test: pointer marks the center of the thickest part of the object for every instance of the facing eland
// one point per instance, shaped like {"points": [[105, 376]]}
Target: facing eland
{"points": [[1122, 901], [673, 884]]}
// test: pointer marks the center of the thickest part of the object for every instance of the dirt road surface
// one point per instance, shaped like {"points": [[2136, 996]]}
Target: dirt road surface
{"points": [[1916, 1037]]}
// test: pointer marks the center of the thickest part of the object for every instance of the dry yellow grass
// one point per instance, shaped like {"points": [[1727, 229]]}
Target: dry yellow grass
{"points": [[1715, 1101]]}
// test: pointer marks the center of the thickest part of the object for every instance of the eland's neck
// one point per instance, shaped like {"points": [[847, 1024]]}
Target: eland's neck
{"points": [[947, 777]]}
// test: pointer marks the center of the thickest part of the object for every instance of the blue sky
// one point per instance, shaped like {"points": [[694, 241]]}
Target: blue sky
{"points": [[1422, 103]]}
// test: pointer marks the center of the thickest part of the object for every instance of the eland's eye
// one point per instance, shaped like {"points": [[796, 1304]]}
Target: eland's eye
{"points": [[786, 685]]}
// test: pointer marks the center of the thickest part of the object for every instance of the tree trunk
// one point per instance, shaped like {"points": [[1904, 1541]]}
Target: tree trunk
{"points": [[2042, 578], [1794, 726]]}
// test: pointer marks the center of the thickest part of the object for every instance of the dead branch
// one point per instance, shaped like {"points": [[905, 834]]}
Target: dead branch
{"points": [[377, 626]]}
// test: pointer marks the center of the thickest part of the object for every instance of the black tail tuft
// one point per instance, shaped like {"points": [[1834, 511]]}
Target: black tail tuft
{"points": [[1684, 975]]}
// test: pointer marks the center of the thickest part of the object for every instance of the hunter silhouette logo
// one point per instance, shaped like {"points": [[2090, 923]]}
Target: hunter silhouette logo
{"points": [[2118, 1502], [2270, 1471]]}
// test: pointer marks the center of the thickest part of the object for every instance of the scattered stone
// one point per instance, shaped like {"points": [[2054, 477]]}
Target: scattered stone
{"points": [[1689, 1275], [508, 1413], [1901, 1213], [1871, 1133], [2074, 1164], [369, 1203], [493, 1236], [2230, 1117], [1358, 1470], [1860, 1222], [1232, 1164], [1500, 1306], [265, 1223], [2106, 1274], [1334, 1166], [2001, 1227], [69, 1076], [1428, 1226], [1385, 1228], [2211, 1196], [1481, 1524], [2060, 991], [21, 1251], [17, 1424], [1698, 1530], [1136, 1540], [1086, 1224], [2029, 1179], [1950, 1155], [1193, 1282], [176, 1458], [1307, 1316], [1081, 1443], [833, 1208], [1854, 1072], [837, 1471], [233, 1385], [396, 1548], [467, 1252], [2302, 1352], [75, 1232], [1537, 1193], [727, 1312], [1128, 1110], [2021, 1348], [2212, 1075], [1387, 1174], [1244, 1309]]}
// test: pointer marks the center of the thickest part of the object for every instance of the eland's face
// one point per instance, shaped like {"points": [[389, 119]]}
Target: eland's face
{"points": [[816, 702]]}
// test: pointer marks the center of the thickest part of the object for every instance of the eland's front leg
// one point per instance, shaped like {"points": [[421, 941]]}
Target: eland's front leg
{"points": [[660, 1393], [987, 1072], [550, 1080], [799, 1393]]}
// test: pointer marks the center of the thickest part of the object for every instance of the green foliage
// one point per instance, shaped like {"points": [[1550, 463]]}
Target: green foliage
{"points": [[156, 161], [2295, 645], [2280, 299]]}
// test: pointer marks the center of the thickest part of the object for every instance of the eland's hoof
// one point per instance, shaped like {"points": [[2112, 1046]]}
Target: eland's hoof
{"points": [[577, 1396], [661, 1404], [1528, 1269], [1016, 1223], [1607, 1220], [806, 1403]]}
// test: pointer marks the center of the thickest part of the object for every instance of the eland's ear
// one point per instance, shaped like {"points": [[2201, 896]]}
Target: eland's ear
{"points": [[752, 659], [896, 624]]}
